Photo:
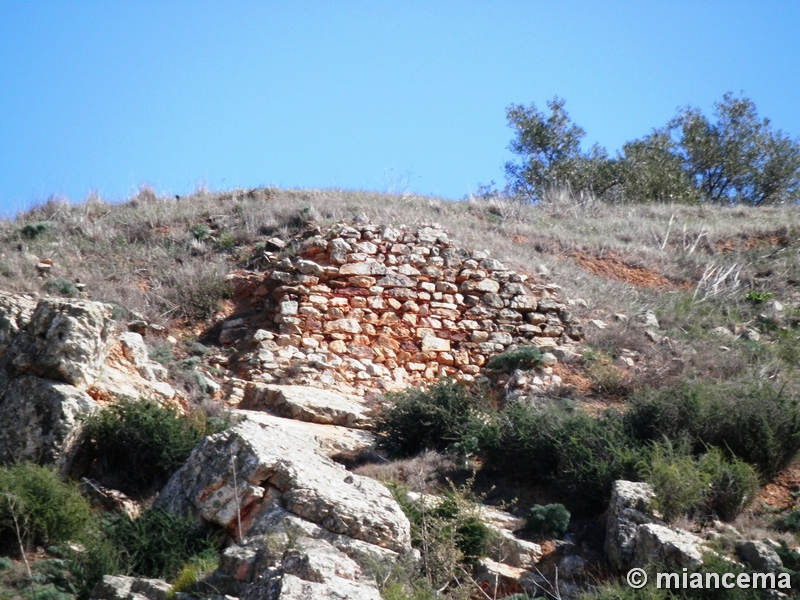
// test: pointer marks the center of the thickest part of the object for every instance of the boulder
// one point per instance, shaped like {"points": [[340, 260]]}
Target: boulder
{"points": [[65, 340], [759, 555], [273, 464], [307, 404], [41, 421], [121, 587], [630, 506], [665, 546], [15, 314]]}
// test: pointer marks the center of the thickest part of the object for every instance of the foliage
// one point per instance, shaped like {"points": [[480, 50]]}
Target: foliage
{"points": [[34, 230], [550, 519], [157, 544], [192, 571], [709, 483], [35, 503], [524, 357], [755, 423], [756, 297], [788, 522], [737, 158], [550, 153], [200, 231], [140, 443], [434, 419], [61, 286], [447, 531]]}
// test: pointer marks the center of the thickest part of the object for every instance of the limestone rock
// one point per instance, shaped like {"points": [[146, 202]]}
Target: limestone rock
{"points": [[759, 555], [121, 587], [272, 462], [66, 340], [40, 421], [308, 404], [661, 545], [15, 313], [630, 506]]}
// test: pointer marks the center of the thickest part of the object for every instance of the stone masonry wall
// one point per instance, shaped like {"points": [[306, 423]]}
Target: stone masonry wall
{"points": [[377, 306]]}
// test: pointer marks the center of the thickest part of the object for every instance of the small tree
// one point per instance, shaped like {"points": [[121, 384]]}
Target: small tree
{"points": [[550, 150], [738, 158]]}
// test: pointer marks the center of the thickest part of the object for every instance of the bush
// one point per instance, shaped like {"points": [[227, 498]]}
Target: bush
{"points": [[524, 357], [550, 519], [733, 484], [438, 418], [580, 454], [200, 231], [709, 483], [61, 286], [140, 444], [677, 480], [43, 508], [756, 424], [34, 230]]}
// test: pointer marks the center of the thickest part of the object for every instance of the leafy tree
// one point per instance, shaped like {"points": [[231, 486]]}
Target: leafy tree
{"points": [[738, 158], [549, 147], [652, 171]]}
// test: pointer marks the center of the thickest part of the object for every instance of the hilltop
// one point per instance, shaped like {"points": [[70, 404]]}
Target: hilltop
{"points": [[554, 349]]}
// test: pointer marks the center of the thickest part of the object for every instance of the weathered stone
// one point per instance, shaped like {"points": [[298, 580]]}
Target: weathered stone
{"points": [[434, 344], [362, 268], [631, 505], [664, 546], [15, 314], [274, 462], [759, 555], [65, 340], [343, 326], [393, 280], [41, 421], [524, 303], [307, 404]]}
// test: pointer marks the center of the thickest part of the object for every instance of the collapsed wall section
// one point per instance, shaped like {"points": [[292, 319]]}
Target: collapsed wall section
{"points": [[370, 304]]}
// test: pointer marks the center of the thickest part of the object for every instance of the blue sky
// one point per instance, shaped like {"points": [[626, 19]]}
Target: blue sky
{"points": [[389, 96]]}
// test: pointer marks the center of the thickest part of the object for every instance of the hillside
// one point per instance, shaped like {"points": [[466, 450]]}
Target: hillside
{"points": [[680, 320]]}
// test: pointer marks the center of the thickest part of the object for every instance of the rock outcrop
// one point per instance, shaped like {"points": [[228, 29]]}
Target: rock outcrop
{"points": [[376, 307], [236, 478], [58, 357], [635, 536]]}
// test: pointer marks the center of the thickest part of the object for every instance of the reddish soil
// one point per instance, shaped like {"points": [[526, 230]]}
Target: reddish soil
{"points": [[778, 492], [764, 240], [613, 267]]}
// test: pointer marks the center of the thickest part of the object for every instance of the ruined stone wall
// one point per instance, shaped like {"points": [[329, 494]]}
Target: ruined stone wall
{"points": [[370, 304]]}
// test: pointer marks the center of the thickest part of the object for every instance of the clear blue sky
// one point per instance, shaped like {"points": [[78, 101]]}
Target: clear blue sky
{"points": [[381, 95]]}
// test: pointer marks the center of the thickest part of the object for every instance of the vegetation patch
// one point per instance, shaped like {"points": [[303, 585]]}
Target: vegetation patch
{"points": [[138, 445]]}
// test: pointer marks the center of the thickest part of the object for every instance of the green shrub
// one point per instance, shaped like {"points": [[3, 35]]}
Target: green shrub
{"points": [[44, 508], [61, 286], [34, 230], [580, 454], [158, 544], [140, 444], [733, 484], [550, 519], [524, 357], [710, 483], [677, 480], [755, 297], [788, 522], [434, 419], [592, 453], [200, 231], [756, 423]]}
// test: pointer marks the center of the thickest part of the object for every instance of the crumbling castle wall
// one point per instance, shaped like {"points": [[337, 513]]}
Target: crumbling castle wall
{"points": [[378, 306]]}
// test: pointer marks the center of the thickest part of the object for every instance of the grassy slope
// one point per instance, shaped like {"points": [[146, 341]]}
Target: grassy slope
{"points": [[670, 259]]}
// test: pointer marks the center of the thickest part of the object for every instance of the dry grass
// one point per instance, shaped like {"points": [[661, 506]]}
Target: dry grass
{"points": [[692, 265]]}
